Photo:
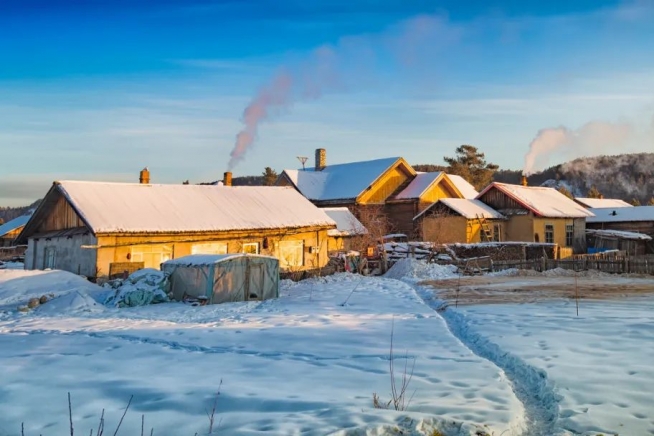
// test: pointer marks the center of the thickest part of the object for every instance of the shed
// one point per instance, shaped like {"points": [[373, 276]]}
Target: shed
{"points": [[223, 278], [10, 230], [633, 243]]}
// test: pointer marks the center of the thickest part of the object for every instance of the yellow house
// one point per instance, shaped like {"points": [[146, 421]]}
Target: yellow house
{"points": [[101, 229], [10, 230], [349, 233], [452, 220], [539, 214]]}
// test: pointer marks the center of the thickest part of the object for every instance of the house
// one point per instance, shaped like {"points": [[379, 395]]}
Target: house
{"points": [[639, 219], [348, 231], [634, 244], [597, 203], [539, 214], [451, 220], [387, 186], [10, 230], [100, 229]]}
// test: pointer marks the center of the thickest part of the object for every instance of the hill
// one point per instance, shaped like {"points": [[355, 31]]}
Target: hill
{"points": [[9, 213]]}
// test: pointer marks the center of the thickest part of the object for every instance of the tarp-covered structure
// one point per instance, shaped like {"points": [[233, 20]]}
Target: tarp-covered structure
{"points": [[223, 278]]}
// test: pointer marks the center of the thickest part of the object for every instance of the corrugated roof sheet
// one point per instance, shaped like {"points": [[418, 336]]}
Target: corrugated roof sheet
{"points": [[465, 188], [341, 181], [418, 185], [140, 208], [14, 224], [346, 223], [622, 214], [602, 202]]}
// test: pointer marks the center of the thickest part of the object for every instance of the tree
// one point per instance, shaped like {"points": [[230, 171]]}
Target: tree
{"points": [[651, 202], [2, 221], [593, 192], [563, 190], [269, 176], [635, 202], [471, 164]]}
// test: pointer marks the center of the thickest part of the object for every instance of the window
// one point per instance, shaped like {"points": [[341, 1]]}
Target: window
{"points": [[152, 256], [549, 234], [569, 235], [497, 233], [251, 248], [49, 258], [209, 248], [291, 253]]}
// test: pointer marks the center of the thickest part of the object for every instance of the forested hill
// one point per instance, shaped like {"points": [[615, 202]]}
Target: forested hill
{"points": [[9, 213], [625, 176]]}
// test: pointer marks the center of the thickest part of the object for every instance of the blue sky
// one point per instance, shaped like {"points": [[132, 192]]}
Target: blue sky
{"points": [[98, 90]]}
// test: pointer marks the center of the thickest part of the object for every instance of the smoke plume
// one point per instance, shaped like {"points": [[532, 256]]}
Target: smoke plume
{"points": [[591, 139], [350, 62]]}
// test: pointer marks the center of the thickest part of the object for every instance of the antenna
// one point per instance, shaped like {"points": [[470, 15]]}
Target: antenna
{"points": [[303, 160]]}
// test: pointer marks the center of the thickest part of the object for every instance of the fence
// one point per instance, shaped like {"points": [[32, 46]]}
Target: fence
{"points": [[613, 264]]}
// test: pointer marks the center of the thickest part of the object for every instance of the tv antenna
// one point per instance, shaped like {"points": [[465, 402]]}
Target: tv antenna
{"points": [[303, 160]]}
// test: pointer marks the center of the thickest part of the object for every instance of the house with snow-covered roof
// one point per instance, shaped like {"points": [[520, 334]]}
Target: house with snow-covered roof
{"points": [[100, 229], [539, 214], [635, 219], [598, 203], [10, 230], [390, 184], [348, 230]]}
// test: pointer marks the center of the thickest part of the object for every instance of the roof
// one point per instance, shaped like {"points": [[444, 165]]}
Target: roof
{"points": [[544, 202], [420, 183], [619, 234], [211, 259], [346, 223], [141, 208], [466, 189], [601, 202], [622, 214], [469, 209], [14, 224], [341, 181]]}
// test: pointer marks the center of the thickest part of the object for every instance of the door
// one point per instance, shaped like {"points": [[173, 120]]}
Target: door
{"points": [[49, 258], [255, 282]]}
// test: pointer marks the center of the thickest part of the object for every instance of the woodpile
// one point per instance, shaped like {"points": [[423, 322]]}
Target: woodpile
{"points": [[503, 251]]}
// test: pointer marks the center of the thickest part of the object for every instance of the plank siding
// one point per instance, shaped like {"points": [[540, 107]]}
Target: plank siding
{"points": [[62, 217], [500, 201]]}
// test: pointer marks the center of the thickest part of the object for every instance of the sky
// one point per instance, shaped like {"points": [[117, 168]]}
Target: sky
{"points": [[98, 90]]}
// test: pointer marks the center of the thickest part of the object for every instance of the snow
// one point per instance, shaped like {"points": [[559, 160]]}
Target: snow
{"points": [[419, 185], [306, 363], [596, 203], [12, 265], [622, 214], [132, 208], [14, 224], [620, 234], [465, 188], [341, 181], [469, 209], [418, 270], [545, 202], [346, 223]]}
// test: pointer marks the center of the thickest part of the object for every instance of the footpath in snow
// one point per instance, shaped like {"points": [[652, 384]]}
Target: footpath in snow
{"points": [[305, 363]]}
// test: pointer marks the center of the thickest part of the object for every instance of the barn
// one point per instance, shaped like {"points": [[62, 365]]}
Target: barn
{"points": [[638, 219], [100, 229]]}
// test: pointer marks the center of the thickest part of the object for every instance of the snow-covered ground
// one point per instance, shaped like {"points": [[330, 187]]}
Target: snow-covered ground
{"points": [[302, 364], [310, 361]]}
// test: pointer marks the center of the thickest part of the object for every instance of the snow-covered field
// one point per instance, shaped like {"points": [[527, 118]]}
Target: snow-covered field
{"points": [[309, 362]]}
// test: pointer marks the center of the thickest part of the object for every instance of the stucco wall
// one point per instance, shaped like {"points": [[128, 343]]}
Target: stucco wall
{"points": [[68, 254]]}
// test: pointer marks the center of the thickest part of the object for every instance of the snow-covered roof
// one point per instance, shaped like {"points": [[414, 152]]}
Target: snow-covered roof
{"points": [[341, 181], [465, 188], [545, 202], [601, 202], [14, 224], [469, 209], [420, 183], [142, 208], [210, 259], [346, 223], [620, 234], [622, 214]]}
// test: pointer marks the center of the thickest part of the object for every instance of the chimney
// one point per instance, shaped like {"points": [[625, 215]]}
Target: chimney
{"points": [[227, 178], [321, 159], [144, 176], [524, 180]]}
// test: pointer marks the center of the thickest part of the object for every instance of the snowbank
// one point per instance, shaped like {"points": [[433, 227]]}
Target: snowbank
{"points": [[413, 269]]}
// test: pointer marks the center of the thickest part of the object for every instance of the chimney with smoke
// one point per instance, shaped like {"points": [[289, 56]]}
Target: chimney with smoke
{"points": [[321, 159], [227, 178], [524, 180], [144, 176]]}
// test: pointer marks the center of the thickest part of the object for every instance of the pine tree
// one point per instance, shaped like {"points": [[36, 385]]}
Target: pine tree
{"points": [[651, 202], [593, 192], [471, 164], [269, 176], [563, 190], [635, 202]]}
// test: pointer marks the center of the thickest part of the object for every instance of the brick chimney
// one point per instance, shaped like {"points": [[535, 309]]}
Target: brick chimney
{"points": [[227, 178], [524, 180], [321, 159], [144, 176]]}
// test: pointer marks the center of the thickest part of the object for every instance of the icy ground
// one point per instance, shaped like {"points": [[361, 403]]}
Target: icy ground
{"points": [[303, 364]]}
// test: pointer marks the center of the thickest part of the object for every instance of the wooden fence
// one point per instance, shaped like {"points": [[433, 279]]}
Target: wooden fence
{"points": [[613, 265]]}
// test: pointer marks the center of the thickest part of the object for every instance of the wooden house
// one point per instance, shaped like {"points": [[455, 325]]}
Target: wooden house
{"points": [[599, 203], [638, 219], [539, 214], [634, 244], [451, 220], [390, 186], [349, 233], [100, 229], [10, 230]]}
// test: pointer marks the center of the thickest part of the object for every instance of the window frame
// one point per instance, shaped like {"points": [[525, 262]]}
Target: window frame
{"points": [[550, 233], [250, 244], [497, 233], [569, 235], [296, 244]]}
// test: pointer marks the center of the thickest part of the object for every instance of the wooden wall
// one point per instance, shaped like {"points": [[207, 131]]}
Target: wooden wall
{"points": [[61, 217], [386, 185], [499, 201], [646, 227], [401, 217]]}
